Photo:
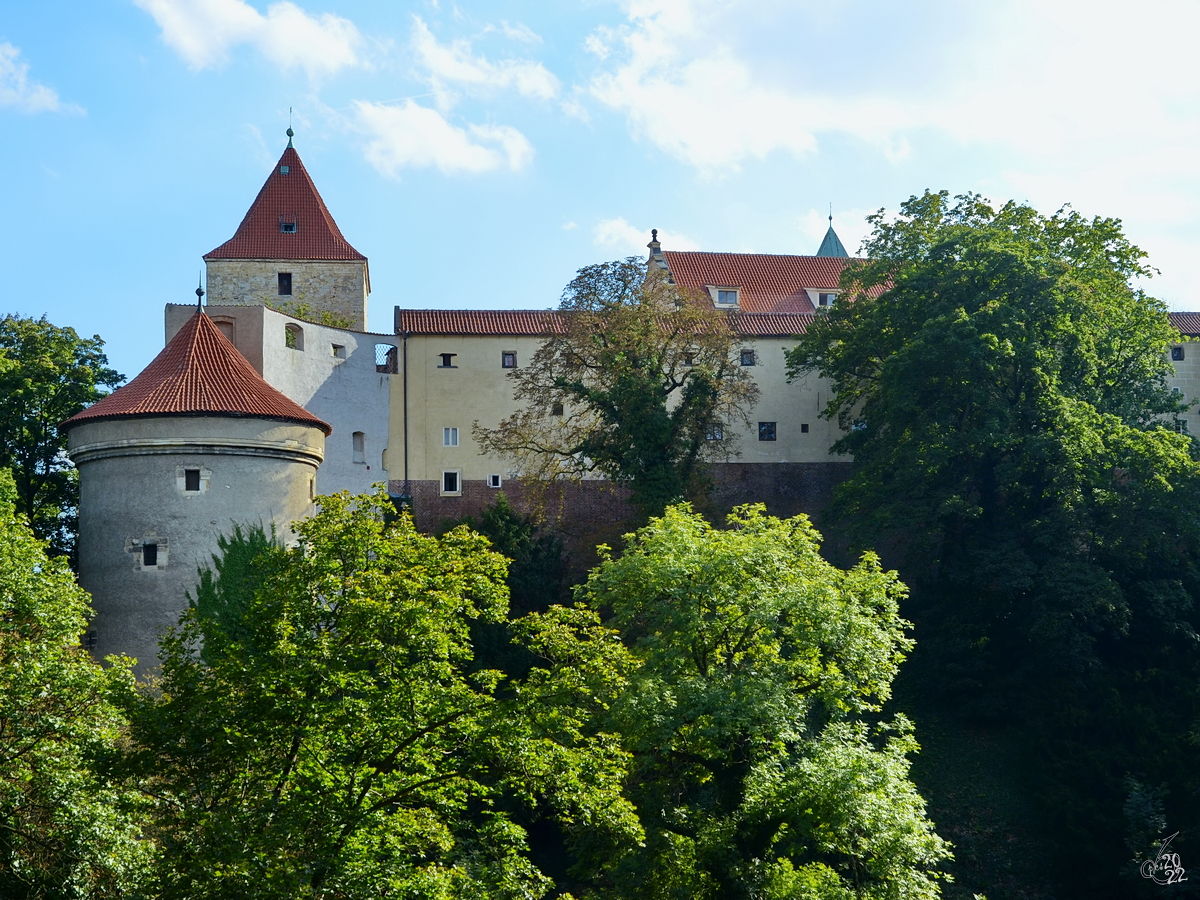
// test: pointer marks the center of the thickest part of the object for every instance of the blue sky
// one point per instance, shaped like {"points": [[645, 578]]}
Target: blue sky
{"points": [[480, 153]]}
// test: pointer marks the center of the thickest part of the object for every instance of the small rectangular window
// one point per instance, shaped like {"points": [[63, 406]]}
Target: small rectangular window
{"points": [[494, 481], [285, 284], [714, 433], [339, 351], [727, 297], [449, 437], [447, 361], [191, 479], [149, 555], [450, 482], [556, 409], [1181, 426], [287, 227], [748, 358], [89, 641], [283, 170], [358, 447], [826, 299], [508, 359], [1176, 354], [385, 359], [766, 431], [804, 428]]}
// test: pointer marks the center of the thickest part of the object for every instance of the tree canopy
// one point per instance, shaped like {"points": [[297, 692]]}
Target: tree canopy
{"points": [[67, 830], [638, 387], [47, 374], [761, 767], [1001, 384], [341, 743]]}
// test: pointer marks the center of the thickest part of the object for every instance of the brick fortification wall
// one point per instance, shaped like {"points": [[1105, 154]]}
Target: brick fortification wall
{"points": [[596, 512], [333, 286]]}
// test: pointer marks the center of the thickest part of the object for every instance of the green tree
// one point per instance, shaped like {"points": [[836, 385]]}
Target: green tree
{"points": [[47, 374], [66, 829], [639, 386], [1001, 385], [225, 591], [357, 751], [757, 771]]}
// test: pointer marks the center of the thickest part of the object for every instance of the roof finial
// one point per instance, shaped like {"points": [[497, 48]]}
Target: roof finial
{"points": [[830, 213], [654, 234], [291, 134], [199, 295]]}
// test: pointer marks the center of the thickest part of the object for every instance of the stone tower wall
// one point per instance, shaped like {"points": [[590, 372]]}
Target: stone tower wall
{"points": [[337, 287], [133, 492]]}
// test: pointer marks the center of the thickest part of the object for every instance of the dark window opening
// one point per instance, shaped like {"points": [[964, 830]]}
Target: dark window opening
{"points": [[149, 555], [287, 227], [293, 337], [714, 433], [285, 284], [191, 479], [508, 359], [804, 428], [385, 359], [447, 361], [766, 431], [1176, 354], [747, 357], [556, 409], [450, 482], [826, 299], [494, 481], [89, 641]]}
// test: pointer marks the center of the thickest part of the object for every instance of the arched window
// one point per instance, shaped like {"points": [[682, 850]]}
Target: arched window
{"points": [[358, 442], [293, 336]]}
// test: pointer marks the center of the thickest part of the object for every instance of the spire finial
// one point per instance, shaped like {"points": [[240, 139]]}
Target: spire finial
{"points": [[830, 213], [654, 234], [199, 295], [291, 134]]}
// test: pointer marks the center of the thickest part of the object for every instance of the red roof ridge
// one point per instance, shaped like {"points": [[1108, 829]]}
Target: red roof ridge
{"points": [[198, 373], [287, 196]]}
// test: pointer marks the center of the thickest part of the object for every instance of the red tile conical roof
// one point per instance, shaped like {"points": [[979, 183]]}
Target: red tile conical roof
{"points": [[198, 373], [288, 199]]}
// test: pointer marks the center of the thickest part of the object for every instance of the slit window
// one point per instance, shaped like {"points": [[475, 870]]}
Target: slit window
{"points": [[191, 479], [358, 446], [766, 431], [285, 284]]}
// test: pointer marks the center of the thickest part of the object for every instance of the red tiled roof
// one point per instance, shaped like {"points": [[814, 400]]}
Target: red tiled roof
{"points": [[767, 283], [287, 198], [198, 373], [1188, 323], [516, 322], [538, 323]]}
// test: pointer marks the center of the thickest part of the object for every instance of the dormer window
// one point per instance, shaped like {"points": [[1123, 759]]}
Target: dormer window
{"points": [[826, 299], [287, 227], [724, 296], [283, 170]]}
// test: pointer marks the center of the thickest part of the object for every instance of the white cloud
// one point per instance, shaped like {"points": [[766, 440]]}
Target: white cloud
{"points": [[709, 83], [456, 64], [20, 92], [520, 32], [414, 136], [204, 31], [569, 226], [629, 240]]}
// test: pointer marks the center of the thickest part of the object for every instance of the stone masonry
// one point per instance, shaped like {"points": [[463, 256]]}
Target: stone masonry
{"points": [[336, 287]]}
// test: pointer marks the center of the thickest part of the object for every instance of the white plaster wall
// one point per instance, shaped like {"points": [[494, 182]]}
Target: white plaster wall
{"points": [[348, 392], [130, 479]]}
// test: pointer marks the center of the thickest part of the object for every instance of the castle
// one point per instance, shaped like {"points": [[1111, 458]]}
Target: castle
{"points": [[275, 392]]}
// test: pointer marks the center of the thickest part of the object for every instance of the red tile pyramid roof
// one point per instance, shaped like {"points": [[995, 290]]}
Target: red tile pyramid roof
{"points": [[287, 198], [198, 373], [767, 283]]}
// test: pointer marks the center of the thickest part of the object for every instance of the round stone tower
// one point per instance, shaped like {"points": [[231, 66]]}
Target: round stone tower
{"points": [[167, 464]]}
